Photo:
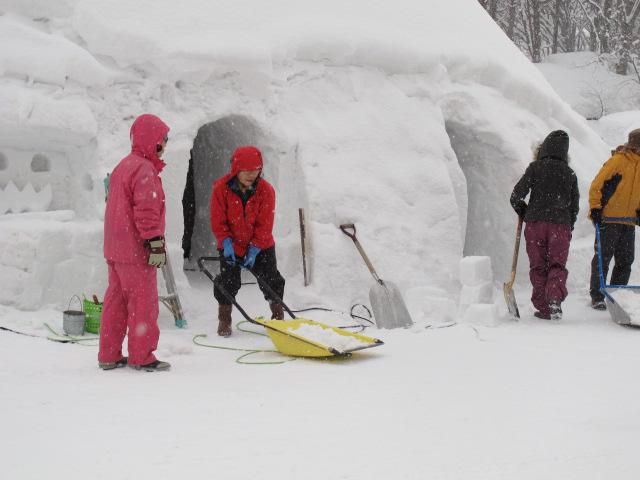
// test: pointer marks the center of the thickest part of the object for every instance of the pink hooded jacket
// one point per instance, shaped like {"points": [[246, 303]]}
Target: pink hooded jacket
{"points": [[135, 204]]}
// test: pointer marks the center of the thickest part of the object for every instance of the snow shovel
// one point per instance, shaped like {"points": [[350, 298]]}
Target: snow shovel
{"points": [[172, 300], [291, 337], [386, 300], [509, 294], [618, 314]]}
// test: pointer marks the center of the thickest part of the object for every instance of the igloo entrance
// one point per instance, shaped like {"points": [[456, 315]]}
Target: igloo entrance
{"points": [[210, 158], [490, 227]]}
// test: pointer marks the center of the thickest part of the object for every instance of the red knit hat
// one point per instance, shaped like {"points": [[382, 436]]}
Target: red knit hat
{"points": [[246, 158]]}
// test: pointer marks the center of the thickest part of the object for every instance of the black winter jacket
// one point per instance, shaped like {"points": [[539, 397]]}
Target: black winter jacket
{"points": [[554, 192]]}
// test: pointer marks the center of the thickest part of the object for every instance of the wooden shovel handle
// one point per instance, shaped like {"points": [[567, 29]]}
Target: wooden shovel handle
{"points": [[516, 250], [345, 229]]}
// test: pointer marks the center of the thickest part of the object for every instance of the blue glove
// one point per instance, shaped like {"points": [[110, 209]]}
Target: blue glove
{"points": [[250, 257], [228, 252]]}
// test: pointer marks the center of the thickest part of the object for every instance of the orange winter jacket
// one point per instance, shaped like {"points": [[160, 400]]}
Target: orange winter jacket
{"points": [[616, 188]]}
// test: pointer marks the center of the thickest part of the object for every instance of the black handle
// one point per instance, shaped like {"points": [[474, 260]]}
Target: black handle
{"points": [[262, 283], [217, 285], [345, 227]]}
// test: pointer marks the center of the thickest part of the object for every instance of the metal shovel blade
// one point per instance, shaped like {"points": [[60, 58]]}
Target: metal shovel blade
{"points": [[617, 313], [510, 299], [389, 309]]}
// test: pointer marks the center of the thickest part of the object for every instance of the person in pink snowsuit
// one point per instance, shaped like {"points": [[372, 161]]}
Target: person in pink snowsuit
{"points": [[134, 248]]}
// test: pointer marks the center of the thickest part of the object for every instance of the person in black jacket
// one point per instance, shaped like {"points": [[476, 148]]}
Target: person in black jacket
{"points": [[550, 216], [189, 214]]}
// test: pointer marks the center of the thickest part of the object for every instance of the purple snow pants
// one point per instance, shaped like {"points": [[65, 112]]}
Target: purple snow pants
{"points": [[548, 249]]}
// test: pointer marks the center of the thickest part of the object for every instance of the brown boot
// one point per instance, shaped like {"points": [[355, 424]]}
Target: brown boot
{"points": [[224, 320], [277, 313]]}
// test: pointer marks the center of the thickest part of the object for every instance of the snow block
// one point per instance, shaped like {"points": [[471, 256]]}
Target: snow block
{"points": [[481, 314], [482, 294], [475, 271]]}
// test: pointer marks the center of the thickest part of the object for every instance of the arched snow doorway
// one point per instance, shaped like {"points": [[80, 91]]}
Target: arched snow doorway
{"points": [[489, 170], [210, 158]]}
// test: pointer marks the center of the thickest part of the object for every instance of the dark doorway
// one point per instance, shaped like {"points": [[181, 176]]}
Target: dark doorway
{"points": [[213, 146]]}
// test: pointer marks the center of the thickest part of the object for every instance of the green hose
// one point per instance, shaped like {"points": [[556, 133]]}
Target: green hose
{"points": [[250, 351]]}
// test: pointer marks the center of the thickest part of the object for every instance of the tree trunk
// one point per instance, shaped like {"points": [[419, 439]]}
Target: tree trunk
{"points": [[493, 9], [556, 26], [536, 36], [512, 16], [628, 13]]}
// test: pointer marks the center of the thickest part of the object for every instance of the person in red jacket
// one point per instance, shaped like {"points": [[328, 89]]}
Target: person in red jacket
{"points": [[134, 247], [242, 212]]}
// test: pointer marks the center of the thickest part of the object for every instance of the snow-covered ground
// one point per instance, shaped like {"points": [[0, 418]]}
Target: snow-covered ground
{"points": [[375, 113], [525, 400]]}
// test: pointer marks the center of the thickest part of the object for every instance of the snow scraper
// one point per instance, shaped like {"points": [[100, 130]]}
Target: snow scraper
{"points": [[509, 294], [172, 300], [616, 310], [389, 309], [299, 337]]}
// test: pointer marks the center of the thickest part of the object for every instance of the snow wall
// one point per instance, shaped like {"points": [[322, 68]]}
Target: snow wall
{"points": [[386, 116]]}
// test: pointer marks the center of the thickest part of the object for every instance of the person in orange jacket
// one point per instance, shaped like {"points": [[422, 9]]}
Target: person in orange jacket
{"points": [[615, 192], [242, 214]]}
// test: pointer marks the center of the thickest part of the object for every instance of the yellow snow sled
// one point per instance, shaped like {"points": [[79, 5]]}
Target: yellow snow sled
{"points": [[283, 334], [301, 337]]}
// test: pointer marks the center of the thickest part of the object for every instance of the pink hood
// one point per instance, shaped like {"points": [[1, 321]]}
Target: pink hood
{"points": [[135, 204]]}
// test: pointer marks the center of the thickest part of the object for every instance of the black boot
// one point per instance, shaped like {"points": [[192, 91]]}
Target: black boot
{"points": [[112, 365], [155, 366]]}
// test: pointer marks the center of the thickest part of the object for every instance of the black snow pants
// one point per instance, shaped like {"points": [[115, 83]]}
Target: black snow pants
{"points": [[188, 210], [618, 242], [265, 267]]}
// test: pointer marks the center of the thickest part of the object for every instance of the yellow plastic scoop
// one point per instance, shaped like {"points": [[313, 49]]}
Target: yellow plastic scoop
{"points": [[307, 338]]}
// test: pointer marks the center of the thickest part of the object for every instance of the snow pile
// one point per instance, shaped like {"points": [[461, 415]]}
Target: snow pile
{"points": [[44, 57], [225, 35], [42, 10], [614, 129], [33, 117], [586, 81], [329, 337]]}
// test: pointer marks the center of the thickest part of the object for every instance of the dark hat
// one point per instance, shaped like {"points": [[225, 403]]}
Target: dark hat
{"points": [[556, 145], [634, 139]]}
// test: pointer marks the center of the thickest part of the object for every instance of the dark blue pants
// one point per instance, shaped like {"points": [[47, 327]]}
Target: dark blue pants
{"points": [[618, 242]]}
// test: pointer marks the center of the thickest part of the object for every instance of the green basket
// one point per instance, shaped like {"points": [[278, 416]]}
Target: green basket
{"points": [[93, 313]]}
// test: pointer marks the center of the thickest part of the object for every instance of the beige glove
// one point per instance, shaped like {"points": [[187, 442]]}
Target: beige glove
{"points": [[158, 255]]}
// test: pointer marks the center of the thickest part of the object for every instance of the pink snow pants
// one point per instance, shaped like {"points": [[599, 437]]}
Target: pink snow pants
{"points": [[131, 301], [548, 250]]}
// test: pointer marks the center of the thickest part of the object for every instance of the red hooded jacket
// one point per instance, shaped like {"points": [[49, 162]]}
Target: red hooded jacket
{"points": [[135, 204], [245, 224]]}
